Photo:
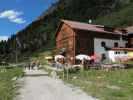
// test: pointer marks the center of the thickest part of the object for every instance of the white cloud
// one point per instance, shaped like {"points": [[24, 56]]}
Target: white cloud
{"points": [[4, 38], [13, 16], [18, 20]]}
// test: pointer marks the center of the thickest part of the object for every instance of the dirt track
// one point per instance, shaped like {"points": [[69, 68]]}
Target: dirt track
{"points": [[38, 86]]}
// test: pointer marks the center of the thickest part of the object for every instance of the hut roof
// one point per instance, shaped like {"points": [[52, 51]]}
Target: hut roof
{"points": [[90, 27], [130, 29]]}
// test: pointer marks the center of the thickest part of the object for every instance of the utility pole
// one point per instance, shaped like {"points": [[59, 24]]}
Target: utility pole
{"points": [[16, 52], [16, 56]]}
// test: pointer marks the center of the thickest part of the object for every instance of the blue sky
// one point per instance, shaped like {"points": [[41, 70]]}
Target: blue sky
{"points": [[17, 14]]}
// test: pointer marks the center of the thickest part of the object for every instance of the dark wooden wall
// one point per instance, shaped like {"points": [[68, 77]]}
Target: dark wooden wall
{"points": [[130, 40], [66, 39], [84, 43]]}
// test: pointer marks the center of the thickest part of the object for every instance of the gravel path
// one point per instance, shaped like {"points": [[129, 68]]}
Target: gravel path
{"points": [[38, 86]]}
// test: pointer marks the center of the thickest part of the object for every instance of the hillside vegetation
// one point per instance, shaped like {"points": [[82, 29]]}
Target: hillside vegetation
{"points": [[123, 18], [40, 34]]}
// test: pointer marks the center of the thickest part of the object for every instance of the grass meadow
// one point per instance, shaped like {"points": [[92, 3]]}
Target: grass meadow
{"points": [[8, 82], [113, 85]]}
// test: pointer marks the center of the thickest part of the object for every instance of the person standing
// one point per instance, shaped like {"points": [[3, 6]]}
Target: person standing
{"points": [[32, 65]]}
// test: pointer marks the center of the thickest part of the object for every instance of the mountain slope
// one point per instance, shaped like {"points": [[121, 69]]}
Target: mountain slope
{"points": [[40, 34], [123, 18]]}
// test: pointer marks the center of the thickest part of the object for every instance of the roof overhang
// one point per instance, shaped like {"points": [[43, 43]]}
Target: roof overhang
{"points": [[122, 49], [93, 28]]}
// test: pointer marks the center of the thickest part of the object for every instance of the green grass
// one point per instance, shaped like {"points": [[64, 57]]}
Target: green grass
{"points": [[8, 85], [114, 85]]}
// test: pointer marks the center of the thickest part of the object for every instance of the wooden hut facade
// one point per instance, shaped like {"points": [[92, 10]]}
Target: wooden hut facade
{"points": [[81, 38], [130, 36]]}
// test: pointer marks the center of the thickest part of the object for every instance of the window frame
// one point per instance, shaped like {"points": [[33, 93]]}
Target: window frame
{"points": [[103, 44], [116, 44]]}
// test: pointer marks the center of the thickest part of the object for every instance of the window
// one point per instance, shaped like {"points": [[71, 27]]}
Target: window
{"points": [[103, 44], [125, 52], [103, 57], [116, 44], [126, 45]]}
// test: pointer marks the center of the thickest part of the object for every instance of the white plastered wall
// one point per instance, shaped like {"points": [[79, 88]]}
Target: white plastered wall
{"points": [[109, 43]]}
